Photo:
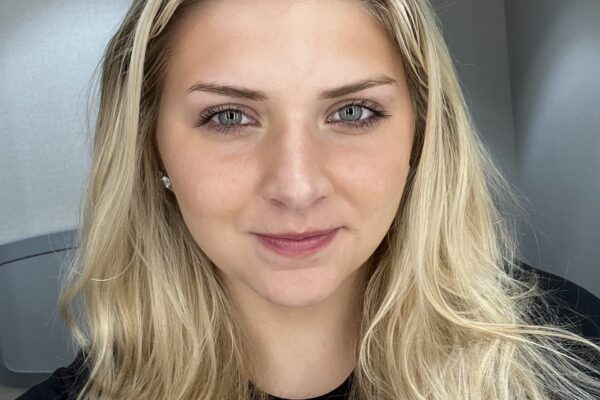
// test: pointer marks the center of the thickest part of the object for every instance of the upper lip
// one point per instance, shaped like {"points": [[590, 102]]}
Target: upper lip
{"points": [[298, 235]]}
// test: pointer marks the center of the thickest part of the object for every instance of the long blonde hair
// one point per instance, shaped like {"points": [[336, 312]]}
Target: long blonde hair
{"points": [[443, 316]]}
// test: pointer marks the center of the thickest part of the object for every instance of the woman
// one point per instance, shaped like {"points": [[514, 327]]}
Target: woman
{"points": [[289, 195]]}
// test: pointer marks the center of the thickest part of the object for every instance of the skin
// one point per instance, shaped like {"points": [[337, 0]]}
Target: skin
{"points": [[291, 167]]}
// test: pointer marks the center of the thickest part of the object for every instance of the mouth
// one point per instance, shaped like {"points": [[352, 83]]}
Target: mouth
{"points": [[299, 235], [298, 245]]}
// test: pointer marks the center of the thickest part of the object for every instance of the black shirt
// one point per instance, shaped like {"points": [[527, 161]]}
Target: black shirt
{"points": [[65, 382]]}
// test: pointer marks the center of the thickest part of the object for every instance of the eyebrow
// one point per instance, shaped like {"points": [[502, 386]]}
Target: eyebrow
{"points": [[249, 94]]}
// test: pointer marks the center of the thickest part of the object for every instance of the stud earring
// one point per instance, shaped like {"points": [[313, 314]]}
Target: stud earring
{"points": [[165, 180]]}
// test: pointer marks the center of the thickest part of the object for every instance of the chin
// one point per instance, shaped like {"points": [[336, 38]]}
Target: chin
{"points": [[297, 290]]}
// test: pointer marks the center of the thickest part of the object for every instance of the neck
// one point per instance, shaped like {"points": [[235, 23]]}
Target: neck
{"points": [[307, 351]]}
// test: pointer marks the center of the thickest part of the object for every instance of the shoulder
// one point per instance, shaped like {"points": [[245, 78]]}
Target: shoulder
{"points": [[63, 384], [570, 302]]}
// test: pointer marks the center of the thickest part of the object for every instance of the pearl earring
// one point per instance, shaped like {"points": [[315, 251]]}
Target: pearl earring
{"points": [[165, 180]]}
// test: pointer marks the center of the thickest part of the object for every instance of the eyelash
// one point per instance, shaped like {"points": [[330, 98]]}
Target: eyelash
{"points": [[377, 116]]}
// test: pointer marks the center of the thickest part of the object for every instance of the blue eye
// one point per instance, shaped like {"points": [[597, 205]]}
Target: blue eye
{"points": [[230, 117], [355, 111]]}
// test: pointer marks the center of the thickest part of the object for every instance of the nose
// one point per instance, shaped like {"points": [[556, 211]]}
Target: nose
{"points": [[296, 174]]}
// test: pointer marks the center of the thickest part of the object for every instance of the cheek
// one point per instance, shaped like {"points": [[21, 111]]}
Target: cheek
{"points": [[377, 189], [208, 190], [373, 178], [211, 197]]}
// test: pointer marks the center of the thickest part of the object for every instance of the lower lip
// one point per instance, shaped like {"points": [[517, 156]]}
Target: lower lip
{"points": [[297, 248]]}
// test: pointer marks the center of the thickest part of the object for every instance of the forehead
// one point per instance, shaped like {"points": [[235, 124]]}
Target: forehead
{"points": [[270, 42]]}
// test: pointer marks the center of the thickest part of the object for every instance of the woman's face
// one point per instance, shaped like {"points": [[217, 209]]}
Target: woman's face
{"points": [[299, 157]]}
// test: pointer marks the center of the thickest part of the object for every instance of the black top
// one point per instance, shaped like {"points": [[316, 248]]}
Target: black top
{"points": [[64, 383]]}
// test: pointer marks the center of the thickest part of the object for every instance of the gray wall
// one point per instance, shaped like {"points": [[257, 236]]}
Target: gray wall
{"points": [[530, 70], [555, 81], [475, 31], [48, 50]]}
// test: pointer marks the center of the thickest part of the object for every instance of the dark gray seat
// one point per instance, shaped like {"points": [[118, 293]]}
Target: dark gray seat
{"points": [[34, 340]]}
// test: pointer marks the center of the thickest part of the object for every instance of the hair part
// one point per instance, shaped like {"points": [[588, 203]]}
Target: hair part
{"points": [[443, 315]]}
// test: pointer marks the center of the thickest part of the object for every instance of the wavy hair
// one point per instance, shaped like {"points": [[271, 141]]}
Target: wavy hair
{"points": [[443, 315]]}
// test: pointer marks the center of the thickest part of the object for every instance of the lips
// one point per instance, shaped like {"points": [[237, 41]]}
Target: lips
{"points": [[286, 245], [298, 236]]}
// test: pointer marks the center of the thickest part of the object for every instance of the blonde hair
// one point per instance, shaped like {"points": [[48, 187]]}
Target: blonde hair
{"points": [[443, 316]]}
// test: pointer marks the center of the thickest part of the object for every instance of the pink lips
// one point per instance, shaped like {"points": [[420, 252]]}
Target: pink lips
{"points": [[297, 247]]}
